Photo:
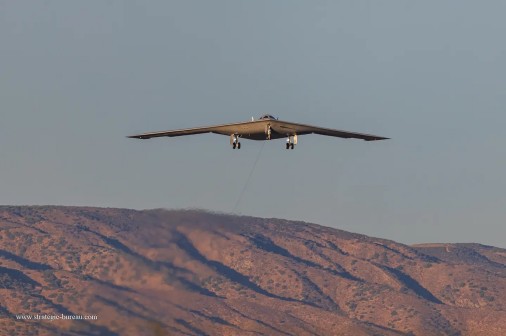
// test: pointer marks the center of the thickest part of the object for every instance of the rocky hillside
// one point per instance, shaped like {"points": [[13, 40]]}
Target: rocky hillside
{"points": [[161, 272]]}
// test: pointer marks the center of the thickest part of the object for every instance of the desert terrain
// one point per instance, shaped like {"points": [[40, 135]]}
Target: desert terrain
{"points": [[178, 272]]}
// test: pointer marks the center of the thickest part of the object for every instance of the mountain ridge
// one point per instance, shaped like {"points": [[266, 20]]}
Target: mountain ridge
{"points": [[189, 272]]}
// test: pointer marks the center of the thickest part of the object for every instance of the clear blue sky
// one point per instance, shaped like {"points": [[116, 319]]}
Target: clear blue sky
{"points": [[76, 77]]}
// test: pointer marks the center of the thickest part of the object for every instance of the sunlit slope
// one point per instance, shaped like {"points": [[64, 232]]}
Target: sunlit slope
{"points": [[161, 272]]}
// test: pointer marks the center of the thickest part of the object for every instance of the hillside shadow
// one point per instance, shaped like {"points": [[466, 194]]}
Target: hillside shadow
{"points": [[156, 265], [24, 262], [229, 273], [412, 284], [193, 329], [266, 244], [13, 279]]}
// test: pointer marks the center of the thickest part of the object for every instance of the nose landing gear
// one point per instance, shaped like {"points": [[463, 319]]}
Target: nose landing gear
{"points": [[268, 132]]}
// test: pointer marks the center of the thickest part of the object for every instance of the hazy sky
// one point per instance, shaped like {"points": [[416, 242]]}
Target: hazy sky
{"points": [[76, 77]]}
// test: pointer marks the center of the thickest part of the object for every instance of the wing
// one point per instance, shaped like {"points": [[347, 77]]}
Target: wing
{"points": [[300, 129], [227, 129]]}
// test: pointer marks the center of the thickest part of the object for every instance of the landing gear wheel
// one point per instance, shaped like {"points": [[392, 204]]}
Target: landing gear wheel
{"points": [[291, 141], [233, 145], [238, 145]]}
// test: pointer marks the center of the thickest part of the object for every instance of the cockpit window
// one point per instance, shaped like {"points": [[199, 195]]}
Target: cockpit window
{"points": [[267, 117]]}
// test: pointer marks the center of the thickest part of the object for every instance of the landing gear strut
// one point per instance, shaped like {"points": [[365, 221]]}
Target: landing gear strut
{"points": [[291, 141], [234, 141]]}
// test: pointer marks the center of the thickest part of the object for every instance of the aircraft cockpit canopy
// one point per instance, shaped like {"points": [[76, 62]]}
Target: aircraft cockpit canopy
{"points": [[267, 117]]}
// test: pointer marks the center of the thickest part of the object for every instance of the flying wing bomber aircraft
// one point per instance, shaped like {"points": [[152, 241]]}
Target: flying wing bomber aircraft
{"points": [[265, 128]]}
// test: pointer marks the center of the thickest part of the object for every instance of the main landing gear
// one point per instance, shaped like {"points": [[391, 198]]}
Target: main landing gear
{"points": [[291, 141], [234, 141]]}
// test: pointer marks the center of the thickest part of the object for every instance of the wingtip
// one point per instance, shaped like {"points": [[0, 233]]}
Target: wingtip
{"points": [[377, 139]]}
